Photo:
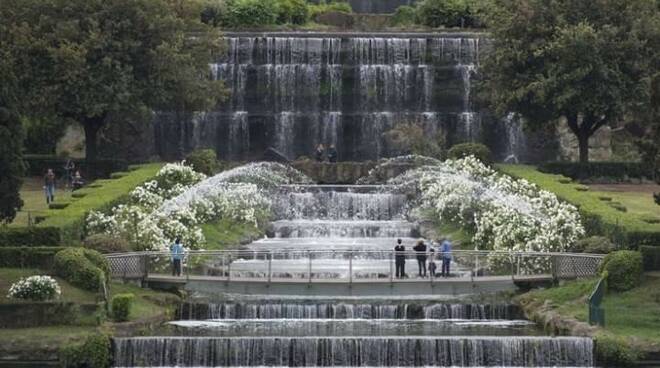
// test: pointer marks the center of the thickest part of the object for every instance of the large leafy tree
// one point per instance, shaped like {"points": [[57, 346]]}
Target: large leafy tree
{"points": [[87, 60], [584, 61], [11, 164]]}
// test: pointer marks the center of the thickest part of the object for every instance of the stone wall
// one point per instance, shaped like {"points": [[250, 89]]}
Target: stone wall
{"points": [[334, 173]]}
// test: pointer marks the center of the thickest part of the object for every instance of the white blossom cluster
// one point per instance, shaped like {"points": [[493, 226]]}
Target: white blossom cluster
{"points": [[505, 214], [39, 288], [179, 200]]}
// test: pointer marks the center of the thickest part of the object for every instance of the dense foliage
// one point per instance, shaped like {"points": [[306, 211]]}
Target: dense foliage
{"points": [[11, 163], [84, 268], [94, 352], [29, 236], [119, 56], [624, 270], [106, 243], [588, 62], [204, 161], [651, 257], [478, 150], [614, 351], [121, 306], [37, 288]]}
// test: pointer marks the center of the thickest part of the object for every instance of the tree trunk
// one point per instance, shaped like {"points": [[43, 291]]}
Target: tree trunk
{"points": [[583, 143], [92, 127]]}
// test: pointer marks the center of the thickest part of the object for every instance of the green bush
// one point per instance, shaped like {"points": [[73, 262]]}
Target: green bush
{"points": [[477, 150], [213, 12], [291, 11], [28, 257], [204, 161], [251, 13], [320, 8], [104, 243], [447, 13], [624, 270], [595, 245], [33, 236], [651, 257], [614, 351], [404, 15], [85, 268], [94, 352], [121, 307]]}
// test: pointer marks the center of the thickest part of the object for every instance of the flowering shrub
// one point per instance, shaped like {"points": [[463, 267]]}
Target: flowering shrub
{"points": [[179, 199], [505, 214], [37, 288]]}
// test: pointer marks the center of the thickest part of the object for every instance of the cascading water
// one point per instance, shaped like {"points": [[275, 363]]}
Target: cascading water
{"points": [[292, 92]]}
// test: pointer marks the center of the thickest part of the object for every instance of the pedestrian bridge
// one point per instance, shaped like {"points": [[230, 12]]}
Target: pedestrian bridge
{"points": [[349, 272]]}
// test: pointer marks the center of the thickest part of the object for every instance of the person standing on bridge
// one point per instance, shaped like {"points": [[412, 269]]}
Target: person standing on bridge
{"points": [[420, 248], [446, 257], [400, 259], [177, 256]]}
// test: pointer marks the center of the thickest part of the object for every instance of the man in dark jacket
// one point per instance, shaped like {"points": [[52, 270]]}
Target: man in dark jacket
{"points": [[420, 248], [400, 259]]}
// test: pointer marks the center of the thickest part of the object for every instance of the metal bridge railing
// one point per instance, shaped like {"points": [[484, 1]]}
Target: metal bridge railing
{"points": [[349, 265]]}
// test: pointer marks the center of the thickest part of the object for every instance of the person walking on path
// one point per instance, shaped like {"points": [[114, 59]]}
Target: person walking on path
{"points": [[420, 248], [446, 257], [49, 186], [400, 259], [177, 256]]}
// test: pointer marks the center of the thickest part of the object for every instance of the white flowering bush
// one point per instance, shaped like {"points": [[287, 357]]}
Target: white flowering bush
{"points": [[38, 288], [179, 200], [505, 214]]}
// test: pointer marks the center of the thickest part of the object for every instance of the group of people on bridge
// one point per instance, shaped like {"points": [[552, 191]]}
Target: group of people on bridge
{"points": [[424, 253]]}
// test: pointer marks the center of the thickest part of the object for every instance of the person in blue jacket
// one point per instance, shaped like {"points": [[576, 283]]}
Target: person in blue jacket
{"points": [[177, 257], [445, 251]]}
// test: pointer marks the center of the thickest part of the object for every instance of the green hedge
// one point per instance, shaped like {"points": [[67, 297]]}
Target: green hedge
{"points": [[29, 236], [596, 170], [100, 196], [94, 352], [651, 257], [121, 306], [624, 270], [101, 168], [614, 351], [28, 257], [85, 268]]}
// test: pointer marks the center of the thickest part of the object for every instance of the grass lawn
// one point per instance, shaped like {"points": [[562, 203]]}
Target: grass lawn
{"points": [[634, 313], [70, 293], [34, 200], [224, 233], [639, 204], [147, 303]]}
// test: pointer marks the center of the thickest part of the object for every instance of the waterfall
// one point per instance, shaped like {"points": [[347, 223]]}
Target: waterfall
{"points": [[516, 142], [353, 351], [342, 229], [345, 90], [343, 310], [339, 206]]}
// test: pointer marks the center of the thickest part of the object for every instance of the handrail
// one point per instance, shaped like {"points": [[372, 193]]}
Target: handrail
{"points": [[358, 251], [596, 312]]}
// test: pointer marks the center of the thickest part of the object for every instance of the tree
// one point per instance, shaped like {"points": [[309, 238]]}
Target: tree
{"points": [[584, 61], [94, 58], [11, 164]]}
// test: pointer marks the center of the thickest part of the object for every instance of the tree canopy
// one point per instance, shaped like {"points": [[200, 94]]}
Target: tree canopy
{"points": [[86, 60], [585, 61]]}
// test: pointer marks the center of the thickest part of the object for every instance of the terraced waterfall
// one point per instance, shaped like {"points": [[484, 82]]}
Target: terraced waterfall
{"points": [[258, 330], [292, 91]]}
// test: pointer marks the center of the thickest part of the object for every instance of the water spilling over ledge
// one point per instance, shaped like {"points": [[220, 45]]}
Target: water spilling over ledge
{"points": [[355, 351], [296, 90]]}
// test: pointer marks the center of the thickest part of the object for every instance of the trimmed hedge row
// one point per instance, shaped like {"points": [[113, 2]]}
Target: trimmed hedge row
{"points": [[100, 168], [624, 270], [32, 236], [94, 352], [101, 195], [591, 170], [651, 256], [28, 257], [85, 268]]}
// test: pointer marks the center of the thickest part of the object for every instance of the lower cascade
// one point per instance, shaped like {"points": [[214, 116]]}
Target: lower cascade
{"points": [[405, 351], [312, 228]]}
